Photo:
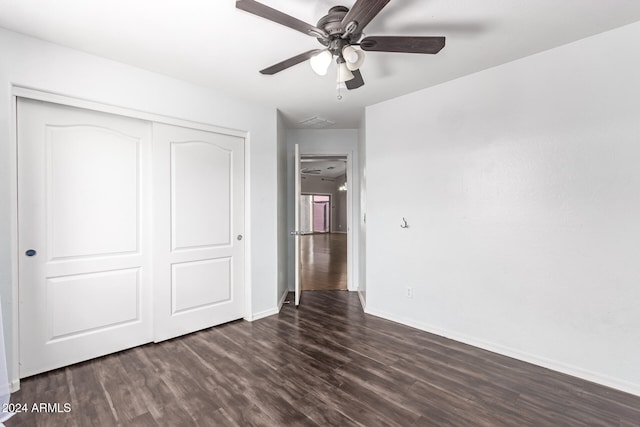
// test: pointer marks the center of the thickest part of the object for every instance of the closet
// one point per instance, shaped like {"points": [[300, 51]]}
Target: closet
{"points": [[129, 232]]}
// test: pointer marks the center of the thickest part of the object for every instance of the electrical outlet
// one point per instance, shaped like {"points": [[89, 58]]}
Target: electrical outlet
{"points": [[409, 292]]}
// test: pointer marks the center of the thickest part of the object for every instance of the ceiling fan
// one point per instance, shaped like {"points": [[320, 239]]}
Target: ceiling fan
{"points": [[310, 171], [340, 32]]}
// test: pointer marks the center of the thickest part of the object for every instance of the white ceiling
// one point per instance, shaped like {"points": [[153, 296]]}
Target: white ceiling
{"points": [[210, 43], [325, 167]]}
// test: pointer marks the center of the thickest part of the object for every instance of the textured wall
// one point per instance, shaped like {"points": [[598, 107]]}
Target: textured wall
{"points": [[521, 187]]}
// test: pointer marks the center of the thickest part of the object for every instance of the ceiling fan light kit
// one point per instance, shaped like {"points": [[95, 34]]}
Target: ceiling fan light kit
{"points": [[320, 62], [353, 57], [339, 31], [349, 54], [344, 74]]}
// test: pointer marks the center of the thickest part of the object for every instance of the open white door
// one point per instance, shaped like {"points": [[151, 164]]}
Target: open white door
{"points": [[84, 262], [199, 227], [297, 232]]}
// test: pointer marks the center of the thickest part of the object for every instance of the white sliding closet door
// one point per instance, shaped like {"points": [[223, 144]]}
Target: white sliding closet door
{"points": [[199, 226], [84, 260]]}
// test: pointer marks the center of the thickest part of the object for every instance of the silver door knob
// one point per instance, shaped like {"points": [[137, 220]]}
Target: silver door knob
{"points": [[239, 237]]}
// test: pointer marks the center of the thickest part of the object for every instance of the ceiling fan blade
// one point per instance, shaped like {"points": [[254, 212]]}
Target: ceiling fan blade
{"points": [[406, 44], [356, 81], [276, 68], [281, 18], [362, 12]]}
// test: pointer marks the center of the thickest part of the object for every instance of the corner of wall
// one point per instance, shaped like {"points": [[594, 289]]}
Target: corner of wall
{"points": [[283, 298], [363, 300]]}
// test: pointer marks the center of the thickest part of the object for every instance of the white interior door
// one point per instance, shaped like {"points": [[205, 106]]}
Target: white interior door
{"points": [[297, 233], [199, 227], [83, 194]]}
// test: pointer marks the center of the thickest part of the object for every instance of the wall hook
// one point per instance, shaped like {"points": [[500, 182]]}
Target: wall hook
{"points": [[404, 223]]}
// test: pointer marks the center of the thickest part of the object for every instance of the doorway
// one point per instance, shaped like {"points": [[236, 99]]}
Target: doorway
{"points": [[323, 223], [315, 213]]}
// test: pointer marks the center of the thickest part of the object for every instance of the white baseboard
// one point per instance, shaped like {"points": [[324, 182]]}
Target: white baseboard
{"points": [[14, 385], [584, 374], [263, 314], [272, 311], [282, 299]]}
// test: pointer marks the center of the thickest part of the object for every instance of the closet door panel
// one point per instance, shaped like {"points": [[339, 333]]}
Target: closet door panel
{"points": [[83, 202], [199, 227]]}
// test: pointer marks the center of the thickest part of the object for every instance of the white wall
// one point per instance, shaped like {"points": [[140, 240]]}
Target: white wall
{"points": [[35, 64], [326, 142], [521, 186]]}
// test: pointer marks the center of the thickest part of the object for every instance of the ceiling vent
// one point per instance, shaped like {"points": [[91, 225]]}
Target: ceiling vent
{"points": [[316, 123]]}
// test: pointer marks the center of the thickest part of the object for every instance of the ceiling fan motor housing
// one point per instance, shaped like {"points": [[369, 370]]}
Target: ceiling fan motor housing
{"points": [[331, 23]]}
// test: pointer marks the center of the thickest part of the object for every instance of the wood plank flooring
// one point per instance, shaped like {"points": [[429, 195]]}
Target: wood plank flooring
{"points": [[324, 262], [326, 363]]}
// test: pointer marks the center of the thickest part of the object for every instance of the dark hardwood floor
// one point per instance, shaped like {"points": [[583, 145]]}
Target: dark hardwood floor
{"points": [[326, 363], [324, 262]]}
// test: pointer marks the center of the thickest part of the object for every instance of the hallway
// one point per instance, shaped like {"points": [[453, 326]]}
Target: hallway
{"points": [[324, 262]]}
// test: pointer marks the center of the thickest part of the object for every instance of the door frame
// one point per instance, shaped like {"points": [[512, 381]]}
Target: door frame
{"points": [[330, 202], [352, 265], [17, 91]]}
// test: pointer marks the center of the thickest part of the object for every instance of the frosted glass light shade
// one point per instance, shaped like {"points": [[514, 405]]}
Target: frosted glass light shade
{"points": [[343, 73], [320, 62], [353, 57], [349, 54]]}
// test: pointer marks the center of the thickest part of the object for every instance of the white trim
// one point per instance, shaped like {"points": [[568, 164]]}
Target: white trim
{"points": [[18, 91], [352, 265], [248, 294], [24, 92], [564, 368], [263, 314], [14, 369]]}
